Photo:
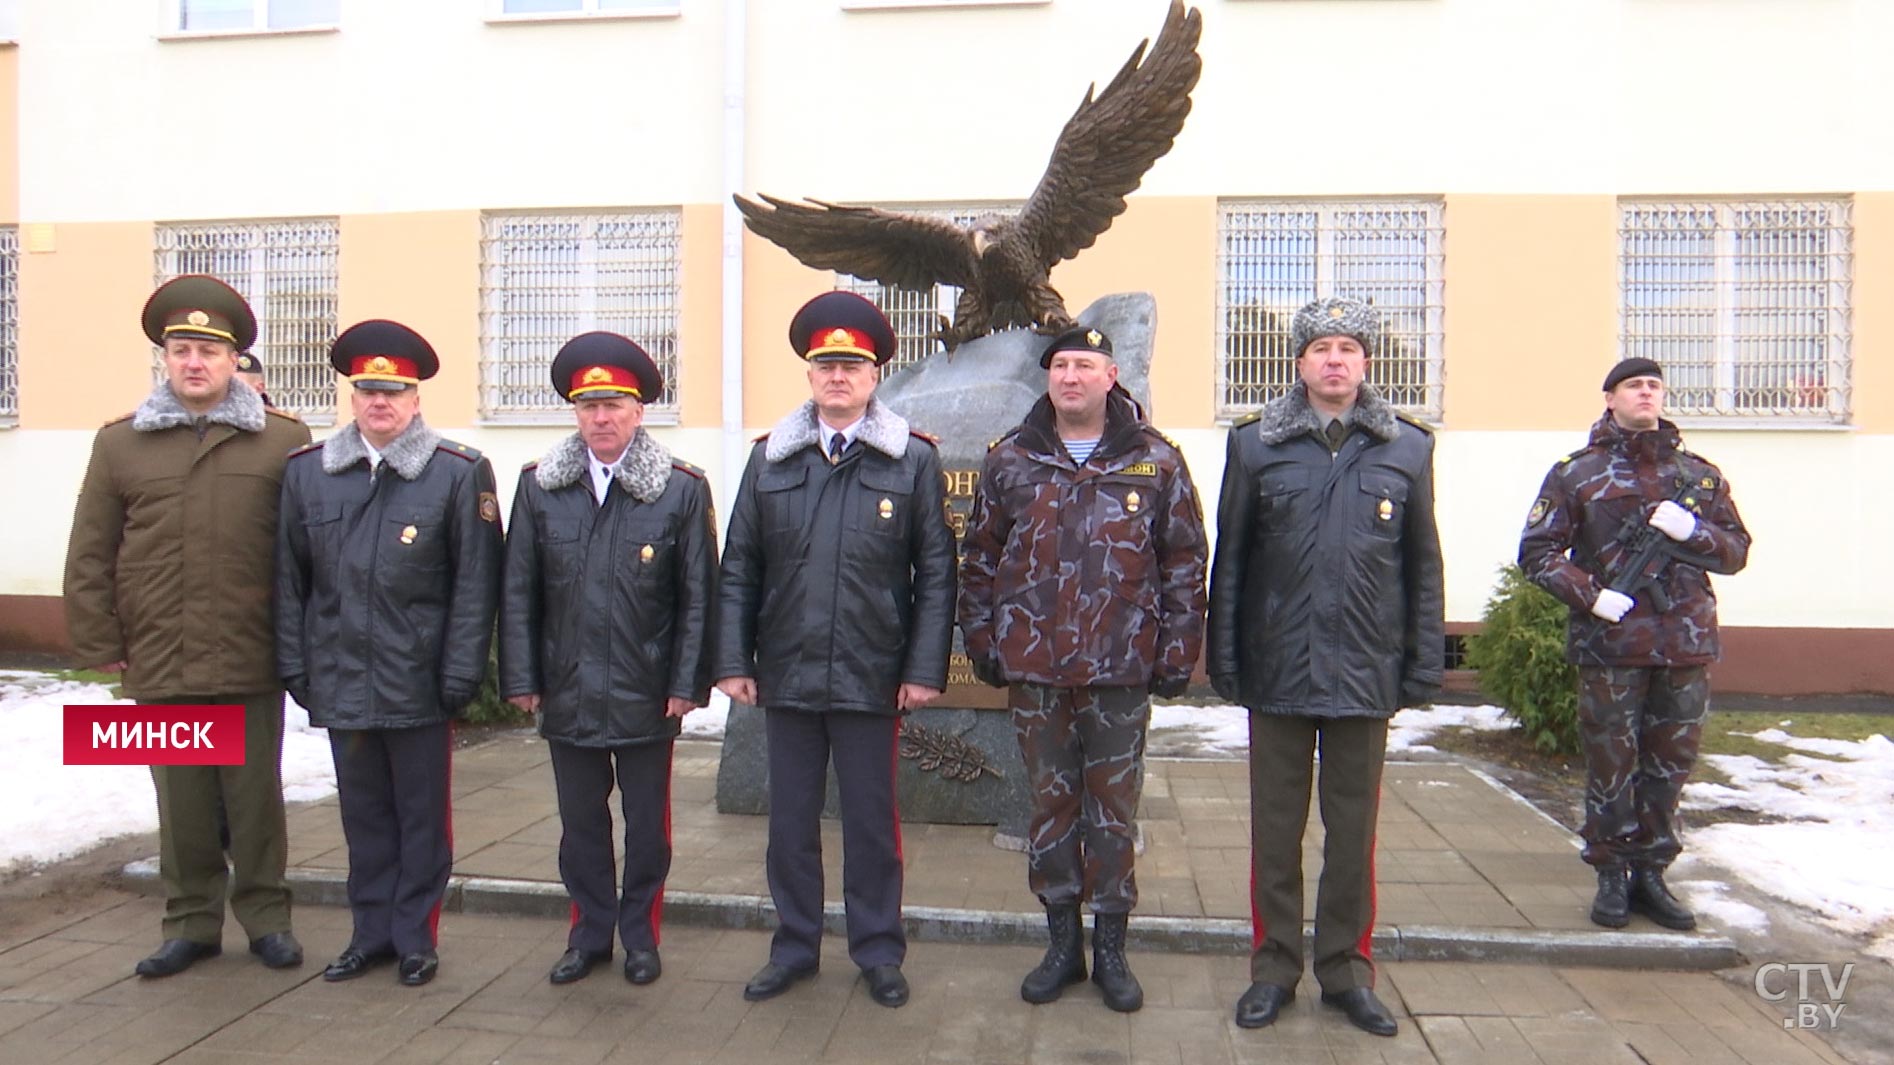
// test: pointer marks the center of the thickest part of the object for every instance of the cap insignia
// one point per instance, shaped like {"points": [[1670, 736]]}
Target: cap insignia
{"points": [[596, 373], [1094, 337], [379, 364], [1335, 312], [197, 318]]}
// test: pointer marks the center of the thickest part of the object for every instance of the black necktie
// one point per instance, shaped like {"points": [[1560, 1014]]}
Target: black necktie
{"points": [[837, 444]]}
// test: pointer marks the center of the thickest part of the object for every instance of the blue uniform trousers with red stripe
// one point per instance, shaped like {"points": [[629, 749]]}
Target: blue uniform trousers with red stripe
{"points": [[604, 906], [1282, 751], [863, 747], [393, 785]]}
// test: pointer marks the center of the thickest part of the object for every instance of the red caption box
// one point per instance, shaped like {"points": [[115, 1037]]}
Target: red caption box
{"points": [[154, 735]]}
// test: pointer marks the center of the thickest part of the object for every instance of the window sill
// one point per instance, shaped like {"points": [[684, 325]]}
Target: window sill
{"points": [[1738, 424], [910, 5], [225, 35], [663, 417], [673, 11]]}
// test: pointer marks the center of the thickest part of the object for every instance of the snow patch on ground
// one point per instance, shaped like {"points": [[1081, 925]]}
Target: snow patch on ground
{"points": [[1710, 898], [707, 723], [1411, 727]]}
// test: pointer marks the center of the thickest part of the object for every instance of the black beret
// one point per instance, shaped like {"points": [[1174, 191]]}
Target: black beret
{"points": [[198, 305], [1630, 368], [600, 365], [383, 356], [247, 362], [1077, 338], [842, 325]]}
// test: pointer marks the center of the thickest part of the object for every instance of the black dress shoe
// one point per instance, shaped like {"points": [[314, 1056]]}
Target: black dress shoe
{"points": [[1261, 1003], [576, 964], [418, 968], [352, 963], [173, 956], [773, 979], [886, 985], [1364, 1010], [642, 966], [279, 950]]}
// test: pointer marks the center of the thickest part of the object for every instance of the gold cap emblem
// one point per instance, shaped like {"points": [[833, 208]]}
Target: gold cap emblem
{"points": [[1384, 510], [1707, 482], [1335, 312], [197, 318], [379, 364], [646, 553], [596, 373], [1094, 337], [408, 533], [885, 508], [1133, 502], [839, 336]]}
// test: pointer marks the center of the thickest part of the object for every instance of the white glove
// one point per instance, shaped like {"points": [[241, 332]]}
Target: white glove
{"points": [[1612, 605], [1673, 521]]}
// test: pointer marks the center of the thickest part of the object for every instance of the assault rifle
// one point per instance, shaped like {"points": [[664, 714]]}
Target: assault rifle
{"points": [[1647, 552]]}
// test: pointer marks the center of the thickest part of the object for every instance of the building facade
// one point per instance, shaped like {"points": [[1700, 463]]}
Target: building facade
{"points": [[1528, 192]]}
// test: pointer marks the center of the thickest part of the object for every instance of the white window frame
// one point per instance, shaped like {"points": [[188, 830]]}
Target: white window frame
{"points": [[897, 5], [1425, 321], [9, 325], [9, 22], [173, 28], [1715, 298], [294, 346], [908, 310], [516, 355], [588, 11]]}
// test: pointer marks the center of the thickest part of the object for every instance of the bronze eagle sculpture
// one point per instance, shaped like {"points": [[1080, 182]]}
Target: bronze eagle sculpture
{"points": [[1002, 266]]}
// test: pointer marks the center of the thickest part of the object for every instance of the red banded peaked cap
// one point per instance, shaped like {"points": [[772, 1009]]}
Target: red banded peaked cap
{"points": [[380, 355], [599, 365], [842, 325]]}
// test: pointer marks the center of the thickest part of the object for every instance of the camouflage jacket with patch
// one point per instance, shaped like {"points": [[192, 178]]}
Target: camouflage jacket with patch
{"points": [[1076, 575], [1572, 541]]}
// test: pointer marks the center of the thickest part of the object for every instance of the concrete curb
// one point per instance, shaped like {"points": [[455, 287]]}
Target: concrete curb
{"points": [[1182, 935]]}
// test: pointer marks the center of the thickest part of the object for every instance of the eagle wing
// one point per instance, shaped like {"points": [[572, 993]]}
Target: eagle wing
{"points": [[1111, 140], [892, 247]]}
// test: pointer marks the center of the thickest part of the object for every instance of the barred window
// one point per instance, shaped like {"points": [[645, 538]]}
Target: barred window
{"points": [[1745, 303], [545, 278], [9, 325], [918, 314], [1276, 255], [287, 270], [209, 16]]}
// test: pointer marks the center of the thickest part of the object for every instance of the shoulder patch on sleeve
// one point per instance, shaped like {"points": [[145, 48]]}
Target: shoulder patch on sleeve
{"points": [[459, 451], [490, 508], [1540, 508], [685, 467]]}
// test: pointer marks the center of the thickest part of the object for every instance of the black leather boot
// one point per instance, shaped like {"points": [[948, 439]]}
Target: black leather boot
{"points": [[1651, 898], [1064, 963], [1109, 970], [1612, 905]]}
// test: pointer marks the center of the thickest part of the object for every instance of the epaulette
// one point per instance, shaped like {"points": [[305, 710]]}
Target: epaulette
{"points": [[533, 465], [1415, 422], [282, 414], [929, 437], [315, 445], [760, 439], [1252, 416], [1159, 433], [1004, 437], [1574, 455], [120, 418], [459, 451], [681, 465]]}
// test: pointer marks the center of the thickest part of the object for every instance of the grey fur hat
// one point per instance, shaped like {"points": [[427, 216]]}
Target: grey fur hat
{"points": [[1334, 316]]}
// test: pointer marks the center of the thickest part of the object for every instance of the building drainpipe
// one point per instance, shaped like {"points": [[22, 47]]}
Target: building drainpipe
{"points": [[736, 29]]}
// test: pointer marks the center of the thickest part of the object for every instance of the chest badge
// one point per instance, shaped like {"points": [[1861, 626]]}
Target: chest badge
{"points": [[1133, 502], [408, 533], [1385, 510], [885, 508], [646, 553]]}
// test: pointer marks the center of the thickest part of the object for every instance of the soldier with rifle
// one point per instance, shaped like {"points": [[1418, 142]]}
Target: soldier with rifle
{"points": [[1625, 532]]}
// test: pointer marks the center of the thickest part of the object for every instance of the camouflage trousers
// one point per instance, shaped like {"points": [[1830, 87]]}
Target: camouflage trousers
{"points": [[1641, 726], [1084, 753]]}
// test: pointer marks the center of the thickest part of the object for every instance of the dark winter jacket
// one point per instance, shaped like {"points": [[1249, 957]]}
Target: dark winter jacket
{"points": [[386, 586], [1572, 541], [1085, 575], [838, 580], [605, 611], [172, 557], [1325, 597]]}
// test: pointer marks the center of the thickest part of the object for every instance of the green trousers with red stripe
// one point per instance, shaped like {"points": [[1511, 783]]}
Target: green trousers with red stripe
{"points": [[1282, 767]]}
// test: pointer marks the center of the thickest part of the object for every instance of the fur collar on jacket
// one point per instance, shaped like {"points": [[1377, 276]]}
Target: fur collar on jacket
{"points": [[406, 454], [643, 470], [241, 409], [881, 429], [1289, 415]]}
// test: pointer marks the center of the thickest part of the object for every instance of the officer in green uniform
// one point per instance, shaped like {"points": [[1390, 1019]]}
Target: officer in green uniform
{"points": [[168, 578]]}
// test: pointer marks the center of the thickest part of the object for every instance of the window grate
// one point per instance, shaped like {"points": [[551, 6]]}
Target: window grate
{"points": [[1745, 303], [9, 323], [1275, 256], [546, 278], [917, 314], [288, 271]]}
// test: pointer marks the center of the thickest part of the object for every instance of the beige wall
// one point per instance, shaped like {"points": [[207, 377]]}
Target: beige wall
{"points": [[1873, 394], [9, 133], [79, 309], [422, 270]]}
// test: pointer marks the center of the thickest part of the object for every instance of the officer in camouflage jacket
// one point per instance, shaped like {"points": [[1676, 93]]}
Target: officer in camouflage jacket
{"points": [[1643, 679], [1083, 591]]}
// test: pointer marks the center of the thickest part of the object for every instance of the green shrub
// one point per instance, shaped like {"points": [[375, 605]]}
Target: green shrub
{"points": [[488, 708], [1520, 655]]}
